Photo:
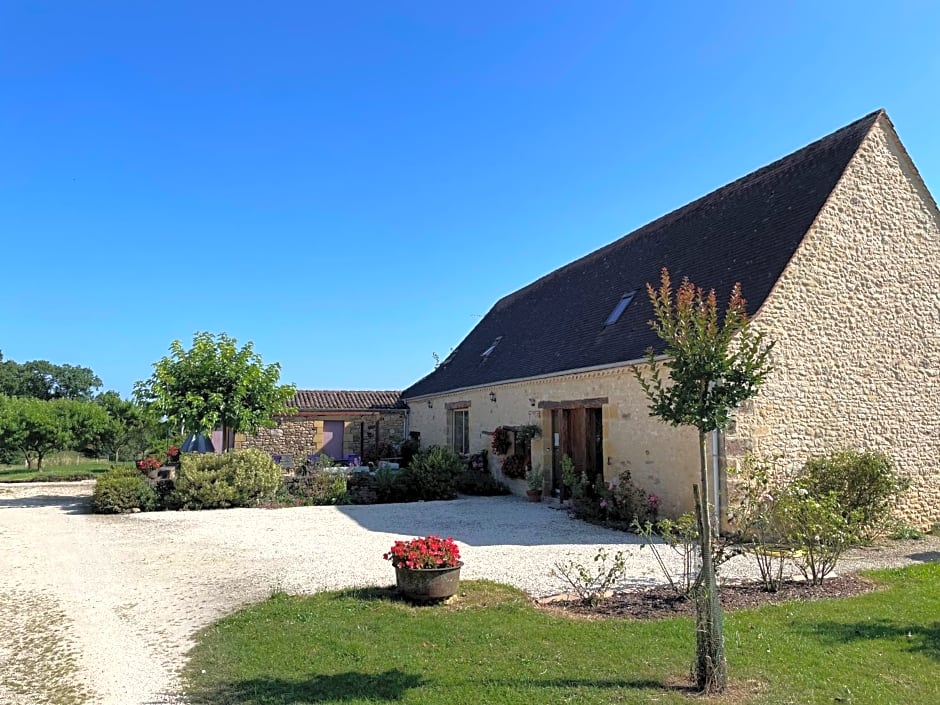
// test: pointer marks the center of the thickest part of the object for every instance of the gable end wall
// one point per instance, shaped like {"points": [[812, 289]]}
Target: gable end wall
{"points": [[856, 317]]}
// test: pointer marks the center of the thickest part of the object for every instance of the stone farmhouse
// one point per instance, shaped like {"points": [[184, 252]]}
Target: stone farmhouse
{"points": [[335, 423], [837, 248]]}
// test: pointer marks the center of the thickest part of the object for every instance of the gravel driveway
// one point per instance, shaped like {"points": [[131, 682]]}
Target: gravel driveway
{"points": [[110, 603]]}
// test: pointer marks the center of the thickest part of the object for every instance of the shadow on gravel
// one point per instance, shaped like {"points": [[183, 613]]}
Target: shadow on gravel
{"points": [[485, 521], [925, 557], [387, 686], [68, 504]]}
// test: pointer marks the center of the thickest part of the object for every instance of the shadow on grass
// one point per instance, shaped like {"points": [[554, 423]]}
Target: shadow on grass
{"points": [[919, 638], [386, 686], [68, 504]]}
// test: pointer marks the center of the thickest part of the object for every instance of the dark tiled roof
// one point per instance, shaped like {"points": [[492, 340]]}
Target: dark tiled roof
{"points": [[744, 232], [342, 400]]}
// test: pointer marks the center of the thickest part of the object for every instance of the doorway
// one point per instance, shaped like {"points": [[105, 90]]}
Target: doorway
{"points": [[332, 444], [577, 432]]}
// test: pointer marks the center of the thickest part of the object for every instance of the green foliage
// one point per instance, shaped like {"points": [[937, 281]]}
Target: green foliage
{"points": [[388, 485], [36, 427], [121, 490], [216, 384], [903, 531], [367, 647], [241, 478], [816, 528], [619, 505], [864, 484], [432, 474], [480, 484], [40, 379], [756, 517], [713, 364], [132, 429], [591, 583], [535, 479], [314, 489]]}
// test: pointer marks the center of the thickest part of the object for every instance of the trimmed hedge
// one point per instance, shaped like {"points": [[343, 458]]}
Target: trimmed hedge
{"points": [[122, 490], [242, 478]]}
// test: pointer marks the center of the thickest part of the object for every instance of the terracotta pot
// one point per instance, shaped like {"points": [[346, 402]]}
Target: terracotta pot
{"points": [[534, 495], [427, 584]]}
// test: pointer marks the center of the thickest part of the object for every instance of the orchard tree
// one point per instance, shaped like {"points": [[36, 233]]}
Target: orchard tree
{"points": [[712, 364], [216, 384], [37, 427], [132, 429]]}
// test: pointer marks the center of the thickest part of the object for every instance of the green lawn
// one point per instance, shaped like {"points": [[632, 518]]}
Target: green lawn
{"points": [[73, 471], [492, 646]]}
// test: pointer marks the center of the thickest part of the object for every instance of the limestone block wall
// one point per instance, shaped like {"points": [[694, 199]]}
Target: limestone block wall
{"points": [[856, 317], [302, 434], [661, 459]]}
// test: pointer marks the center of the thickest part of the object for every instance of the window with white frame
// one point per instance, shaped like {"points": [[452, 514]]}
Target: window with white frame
{"points": [[461, 426]]}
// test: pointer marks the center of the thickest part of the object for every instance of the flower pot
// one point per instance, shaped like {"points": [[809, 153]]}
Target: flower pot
{"points": [[534, 495], [427, 584]]}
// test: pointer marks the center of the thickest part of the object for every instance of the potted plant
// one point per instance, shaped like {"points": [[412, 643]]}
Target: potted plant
{"points": [[426, 569], [534, 478]]}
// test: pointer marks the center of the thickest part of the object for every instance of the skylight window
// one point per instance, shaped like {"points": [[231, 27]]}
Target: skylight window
{"points": [[491, 348], [620, 308]]}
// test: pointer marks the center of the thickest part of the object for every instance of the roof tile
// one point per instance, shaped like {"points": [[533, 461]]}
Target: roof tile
{"points": [[745, 232]]}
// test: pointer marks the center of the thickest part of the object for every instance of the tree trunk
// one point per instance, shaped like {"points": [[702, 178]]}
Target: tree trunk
{"points": [[711, 669]]}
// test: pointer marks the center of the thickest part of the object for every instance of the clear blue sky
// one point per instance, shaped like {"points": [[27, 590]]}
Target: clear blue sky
{"points": [[352, 185]]}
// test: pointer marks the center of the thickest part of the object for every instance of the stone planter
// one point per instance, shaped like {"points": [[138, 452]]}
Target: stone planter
{"points": [[428, 584]]}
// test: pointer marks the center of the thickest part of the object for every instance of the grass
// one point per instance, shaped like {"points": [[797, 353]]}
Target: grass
{"points": [[492, 646], [83, 471]]}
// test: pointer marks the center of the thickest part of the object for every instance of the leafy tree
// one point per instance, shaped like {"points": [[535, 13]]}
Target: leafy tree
{"points": [[41, 379], [215, 384], [37, 427], [712, 365], [132, 429]]}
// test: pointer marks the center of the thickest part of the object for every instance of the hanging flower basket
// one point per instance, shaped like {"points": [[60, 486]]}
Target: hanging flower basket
{"points": [[501, 441]]}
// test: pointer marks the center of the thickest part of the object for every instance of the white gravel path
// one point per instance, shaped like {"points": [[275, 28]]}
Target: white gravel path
{"points": [[130, 591]]}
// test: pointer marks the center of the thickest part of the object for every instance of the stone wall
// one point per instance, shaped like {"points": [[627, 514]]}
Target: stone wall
{"points": [[301, 435], [661, 459], [856, 317]]}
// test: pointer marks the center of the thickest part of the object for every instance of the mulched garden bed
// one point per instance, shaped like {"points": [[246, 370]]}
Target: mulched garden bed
{"points": [[660, 602]]}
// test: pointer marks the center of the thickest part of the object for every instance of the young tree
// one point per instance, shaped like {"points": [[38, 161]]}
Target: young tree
{"points": [[713, 364], [216, 384], [37, 427]]}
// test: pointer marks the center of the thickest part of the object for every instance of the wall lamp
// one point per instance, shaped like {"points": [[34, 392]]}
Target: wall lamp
{"points": [[493, 397], [430, 404], [531, 401]]}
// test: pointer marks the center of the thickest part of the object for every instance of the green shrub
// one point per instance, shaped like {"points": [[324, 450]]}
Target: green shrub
{"points": [[903, 531], [864, 484], [816, 529], [388, 485], [480, 484], [432, 474], [316, 489], [122, 490], [618, 505], [241, 478]]}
